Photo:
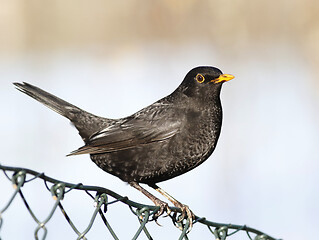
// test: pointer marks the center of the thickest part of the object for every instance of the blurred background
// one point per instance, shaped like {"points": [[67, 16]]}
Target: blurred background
{"points": [[114, 57]]}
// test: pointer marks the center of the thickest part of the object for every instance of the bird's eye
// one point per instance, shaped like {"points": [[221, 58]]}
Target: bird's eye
{"points": [[200, 78]]}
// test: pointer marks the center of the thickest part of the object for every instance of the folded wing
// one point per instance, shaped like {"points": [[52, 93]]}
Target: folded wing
{"points": [[135, 131]]}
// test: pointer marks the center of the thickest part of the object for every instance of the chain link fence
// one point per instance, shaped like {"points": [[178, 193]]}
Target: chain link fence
{"points": [[19, 177]]}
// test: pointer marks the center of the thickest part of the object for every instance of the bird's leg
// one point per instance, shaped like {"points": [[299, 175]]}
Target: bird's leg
{"points": [[163, 205], [184, 208]]}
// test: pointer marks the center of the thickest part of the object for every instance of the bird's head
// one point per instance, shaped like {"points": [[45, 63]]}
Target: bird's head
{"points": [[204, 80]]}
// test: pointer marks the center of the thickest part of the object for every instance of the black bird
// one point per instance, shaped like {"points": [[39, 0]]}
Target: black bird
{"points": [[164, 140]]}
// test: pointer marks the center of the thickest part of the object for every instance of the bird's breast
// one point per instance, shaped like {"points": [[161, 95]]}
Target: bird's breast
{"points": [[197, 139]]}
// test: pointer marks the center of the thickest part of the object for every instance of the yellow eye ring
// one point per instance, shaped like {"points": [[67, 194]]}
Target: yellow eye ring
{"points": [[200, 78]]}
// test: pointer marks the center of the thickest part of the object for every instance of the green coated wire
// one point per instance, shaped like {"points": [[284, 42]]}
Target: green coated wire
{"points": [[143, 217], [108, 225], [17, 180], [100, 200], [69, 220], [184, 231], [143, 212], [57, 191]]}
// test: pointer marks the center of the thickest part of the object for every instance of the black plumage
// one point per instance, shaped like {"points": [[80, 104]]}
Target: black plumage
{"points": [[159, 142]]}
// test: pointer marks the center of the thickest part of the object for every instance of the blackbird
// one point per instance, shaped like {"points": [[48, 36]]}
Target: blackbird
{"points": [[164, 140]]}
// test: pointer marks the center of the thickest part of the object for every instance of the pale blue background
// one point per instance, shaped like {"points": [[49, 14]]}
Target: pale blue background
{"points": [[263, 173]]}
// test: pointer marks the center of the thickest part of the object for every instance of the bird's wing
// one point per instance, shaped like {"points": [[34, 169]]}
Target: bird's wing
{"points": [[154, 125]]}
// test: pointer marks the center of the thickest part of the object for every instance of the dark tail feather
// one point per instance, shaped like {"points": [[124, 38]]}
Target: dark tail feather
{"points": [[56, 104], [85, 122]]}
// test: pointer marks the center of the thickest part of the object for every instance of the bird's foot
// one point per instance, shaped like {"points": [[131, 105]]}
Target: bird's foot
{"points": [[186, 214], [163, 207]]}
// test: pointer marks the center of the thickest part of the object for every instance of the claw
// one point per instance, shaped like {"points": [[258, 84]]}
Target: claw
{"points": [[181, 217], [186, 212], [157, 222], [163, 207], [168, 211]]}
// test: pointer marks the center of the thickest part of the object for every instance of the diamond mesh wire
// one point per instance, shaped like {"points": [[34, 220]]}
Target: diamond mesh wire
{"points": [[101, 197]]}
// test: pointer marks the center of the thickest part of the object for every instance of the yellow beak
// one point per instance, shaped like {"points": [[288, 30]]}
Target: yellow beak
{"points": [[223, 78]]}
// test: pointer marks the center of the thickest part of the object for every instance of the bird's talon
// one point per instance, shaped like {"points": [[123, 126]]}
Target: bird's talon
{"points": [[186, 214], [157, 222], [163, 207], [168, 211], [181, 217]]}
